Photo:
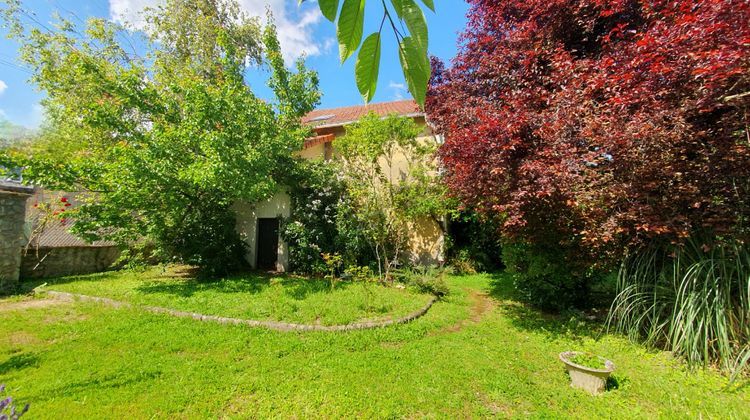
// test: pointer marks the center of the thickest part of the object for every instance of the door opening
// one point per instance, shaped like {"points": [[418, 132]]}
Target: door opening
{"points": [[268, 243]]}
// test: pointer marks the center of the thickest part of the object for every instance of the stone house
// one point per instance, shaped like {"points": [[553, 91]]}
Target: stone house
{"points": [[258, 223]]}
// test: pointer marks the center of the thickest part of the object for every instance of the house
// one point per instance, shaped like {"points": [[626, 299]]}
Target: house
{"points": [[258, 223]]}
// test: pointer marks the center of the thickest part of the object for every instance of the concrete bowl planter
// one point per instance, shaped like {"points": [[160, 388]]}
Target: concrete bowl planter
{"points": [[591, 380]]}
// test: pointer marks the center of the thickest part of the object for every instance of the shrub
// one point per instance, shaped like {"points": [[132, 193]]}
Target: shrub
{"points": [[392, 178], [463, 263], [320, 221], [473, 243], [206, 237], [693, 300], [358, 273], [426, 279], [546, 277]]}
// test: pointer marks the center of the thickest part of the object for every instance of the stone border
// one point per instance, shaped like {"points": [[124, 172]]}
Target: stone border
{"points": [[271, 325]]}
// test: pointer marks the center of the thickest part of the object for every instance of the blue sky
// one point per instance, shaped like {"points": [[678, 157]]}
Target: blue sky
{"points": [[302, 30]]}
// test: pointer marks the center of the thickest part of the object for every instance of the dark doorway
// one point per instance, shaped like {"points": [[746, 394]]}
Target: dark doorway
{"points": [[268, 243]]}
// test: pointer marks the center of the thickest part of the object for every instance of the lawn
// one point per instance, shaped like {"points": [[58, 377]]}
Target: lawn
{"points": [[250, 296], [476, 353]]}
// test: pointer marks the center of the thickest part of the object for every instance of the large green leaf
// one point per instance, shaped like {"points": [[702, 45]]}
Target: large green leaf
{"points": [[398, 6], [415, 21], [416, 67], [367, 66], [349, 28], [329, 8]]}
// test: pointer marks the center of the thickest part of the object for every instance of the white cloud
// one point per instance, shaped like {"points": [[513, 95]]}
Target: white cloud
{"points": [[399, 89], [295, 25], [3, 86]]}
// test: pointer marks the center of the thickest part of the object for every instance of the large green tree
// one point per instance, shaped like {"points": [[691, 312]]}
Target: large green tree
{"points": [[164, 140]]}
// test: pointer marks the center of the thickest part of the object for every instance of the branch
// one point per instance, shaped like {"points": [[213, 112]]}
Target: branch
{"points": [[737, 96]]}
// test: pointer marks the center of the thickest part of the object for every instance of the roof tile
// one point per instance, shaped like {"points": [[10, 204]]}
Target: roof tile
{"points": [[340, 116]]}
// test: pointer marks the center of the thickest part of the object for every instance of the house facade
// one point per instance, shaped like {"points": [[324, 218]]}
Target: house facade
{"points": [[258, 223]]}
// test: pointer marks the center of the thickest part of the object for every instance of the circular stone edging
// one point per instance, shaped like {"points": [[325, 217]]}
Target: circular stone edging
{"points": [[271, 325]]}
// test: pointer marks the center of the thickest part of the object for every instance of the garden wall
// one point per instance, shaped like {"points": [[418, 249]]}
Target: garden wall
{"points": [[66, 261], [12, 215]]}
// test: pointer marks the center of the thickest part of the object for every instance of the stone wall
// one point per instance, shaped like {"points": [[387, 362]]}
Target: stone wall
{"points": [[66, 261], [12, 217]]}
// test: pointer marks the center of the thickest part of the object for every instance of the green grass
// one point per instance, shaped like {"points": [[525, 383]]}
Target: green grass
{"points": [[250, 296], [467, 357], [588, 360]]}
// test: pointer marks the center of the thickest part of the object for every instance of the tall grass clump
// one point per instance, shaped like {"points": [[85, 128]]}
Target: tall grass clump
{"points": [[693, 300]]}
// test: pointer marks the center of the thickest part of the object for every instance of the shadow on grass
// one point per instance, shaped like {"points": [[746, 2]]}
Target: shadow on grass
{"points": [[27, 285], [110, 381], [524, 317], [297, 288], [18, 361]]}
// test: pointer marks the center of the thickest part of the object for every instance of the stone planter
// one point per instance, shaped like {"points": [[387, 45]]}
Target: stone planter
{"points": [[588, 379]]}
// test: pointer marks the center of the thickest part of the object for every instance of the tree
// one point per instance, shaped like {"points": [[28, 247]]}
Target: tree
{"points": [[406, 16], [391, 178], [164, 144], [600, 126]]}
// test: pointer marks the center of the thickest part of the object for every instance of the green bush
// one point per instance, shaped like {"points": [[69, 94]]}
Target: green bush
{"points": [[473, 244], [545, 276], [320, 221], [359, 274], [206, 237], [693, 300], [425, 279], [463, 263]]}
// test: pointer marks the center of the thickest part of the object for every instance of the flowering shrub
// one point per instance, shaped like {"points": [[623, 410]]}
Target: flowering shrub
{"points": [[319, 222]]}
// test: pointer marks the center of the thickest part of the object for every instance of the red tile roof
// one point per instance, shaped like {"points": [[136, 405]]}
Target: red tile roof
{"points": [[339, 116]]}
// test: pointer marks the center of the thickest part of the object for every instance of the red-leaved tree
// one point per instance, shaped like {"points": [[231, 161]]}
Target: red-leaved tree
{"points": [[600, 125]]}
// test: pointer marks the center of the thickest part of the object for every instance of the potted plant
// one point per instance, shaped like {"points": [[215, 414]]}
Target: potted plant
{"points": [[587, 371]]}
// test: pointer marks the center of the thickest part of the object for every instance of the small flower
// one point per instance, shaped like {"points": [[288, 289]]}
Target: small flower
{"points": [[64, 199]]}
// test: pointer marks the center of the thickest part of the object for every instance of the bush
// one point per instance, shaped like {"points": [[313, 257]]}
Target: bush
{"points": [[310, 230], [206, 237], [463, 263], [359, 274], [320, 222], [693, 300], [473, 244], [546, 278], [425, 279]]}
